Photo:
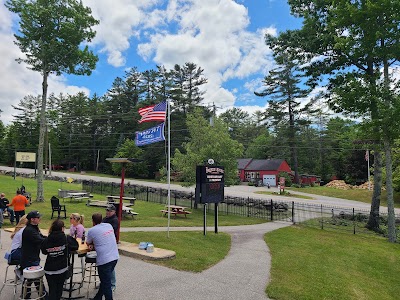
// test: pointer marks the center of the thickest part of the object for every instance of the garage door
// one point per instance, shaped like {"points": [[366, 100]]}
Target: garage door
{"points": [[269, 179]]}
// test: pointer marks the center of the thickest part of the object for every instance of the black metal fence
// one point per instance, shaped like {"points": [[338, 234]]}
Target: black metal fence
{"points": [[321, 216]]}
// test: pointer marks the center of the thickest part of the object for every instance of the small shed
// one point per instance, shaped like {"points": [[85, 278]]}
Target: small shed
{"points": [[265, 169]]}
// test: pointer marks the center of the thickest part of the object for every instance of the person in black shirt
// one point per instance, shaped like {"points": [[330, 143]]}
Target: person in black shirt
{"points": [[4, 207], [31, 242], [57, 246]]}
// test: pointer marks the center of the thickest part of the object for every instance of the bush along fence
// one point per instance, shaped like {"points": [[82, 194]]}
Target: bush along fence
{"points": [[313, 215]]}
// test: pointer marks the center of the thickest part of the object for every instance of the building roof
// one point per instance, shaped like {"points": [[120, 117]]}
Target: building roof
{"points": [[243, 162], [261, 164]]}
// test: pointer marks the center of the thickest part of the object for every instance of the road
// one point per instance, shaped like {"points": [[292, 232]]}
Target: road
{"points": [[233, 191]]}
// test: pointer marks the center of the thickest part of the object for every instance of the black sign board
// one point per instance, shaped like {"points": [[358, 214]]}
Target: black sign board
{"points": [[209, 184]]}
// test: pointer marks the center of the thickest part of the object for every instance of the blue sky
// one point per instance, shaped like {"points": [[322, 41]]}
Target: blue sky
{"points": [[224, 37]]}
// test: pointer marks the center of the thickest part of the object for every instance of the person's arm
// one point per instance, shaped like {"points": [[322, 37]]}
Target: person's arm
{"points": [[115, 225], [89, 241], [36, 237], [43, 247], [79, 230]]}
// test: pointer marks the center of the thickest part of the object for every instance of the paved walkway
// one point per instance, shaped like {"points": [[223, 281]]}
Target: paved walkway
{"points": [[243, 274]]}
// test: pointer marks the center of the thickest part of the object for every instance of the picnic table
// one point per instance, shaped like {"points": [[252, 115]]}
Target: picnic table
{"points": [[175, 210], [77, 196], [111, 198], [126, 208]]}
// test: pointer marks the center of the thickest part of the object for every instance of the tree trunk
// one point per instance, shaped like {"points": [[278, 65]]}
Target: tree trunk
{"points": [[39, 195], [373, 222], [292, 143], [389, 190]]}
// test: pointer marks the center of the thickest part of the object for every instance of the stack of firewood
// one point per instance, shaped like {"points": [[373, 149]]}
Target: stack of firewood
{"points": [[339, 184]]}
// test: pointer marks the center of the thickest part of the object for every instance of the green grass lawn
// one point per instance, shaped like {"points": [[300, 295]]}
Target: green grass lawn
{"points": [[194, 251], [315, 264], [353, 194], [149, 213]]}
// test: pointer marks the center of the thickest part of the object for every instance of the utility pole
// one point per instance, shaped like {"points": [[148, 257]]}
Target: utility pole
{"points": [[214, 113]]}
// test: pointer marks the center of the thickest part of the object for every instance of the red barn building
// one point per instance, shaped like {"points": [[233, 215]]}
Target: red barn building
{"points": [[265, 169]]}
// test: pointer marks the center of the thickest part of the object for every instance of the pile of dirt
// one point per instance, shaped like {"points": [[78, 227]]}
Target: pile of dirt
{"points": [[364, 186], [339, 184]]}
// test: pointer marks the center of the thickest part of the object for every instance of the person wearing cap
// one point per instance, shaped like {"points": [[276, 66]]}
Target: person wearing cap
{"points": [[102, 239], [19, 202], [31, 242], [4, 207], [112, 219]]}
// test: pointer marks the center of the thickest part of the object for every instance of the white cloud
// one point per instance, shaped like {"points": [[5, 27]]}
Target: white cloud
{"points": [[213, 34], [118, 18]]}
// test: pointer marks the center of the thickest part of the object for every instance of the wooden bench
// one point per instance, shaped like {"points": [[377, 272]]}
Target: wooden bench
{"points": [[164, 212], [78, 198]]}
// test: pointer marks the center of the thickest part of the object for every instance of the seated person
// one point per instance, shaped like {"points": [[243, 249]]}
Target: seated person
{"points": [[16, 244], [4, 207], [76, 230]]}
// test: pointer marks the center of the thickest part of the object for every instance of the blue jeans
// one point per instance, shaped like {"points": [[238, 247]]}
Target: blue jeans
{"points": [[105, 272], [10, 211], [113, 279]]}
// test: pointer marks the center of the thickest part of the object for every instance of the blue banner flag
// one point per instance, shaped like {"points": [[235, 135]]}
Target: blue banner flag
{"points": [[150, 136]]}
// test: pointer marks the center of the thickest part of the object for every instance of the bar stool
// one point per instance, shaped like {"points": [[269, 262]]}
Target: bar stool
{"points": [[11, 281], [91, 268], [33, 275]]}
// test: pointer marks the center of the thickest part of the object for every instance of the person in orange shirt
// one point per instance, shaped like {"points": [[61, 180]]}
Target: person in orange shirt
{"points": [[19, 202]]}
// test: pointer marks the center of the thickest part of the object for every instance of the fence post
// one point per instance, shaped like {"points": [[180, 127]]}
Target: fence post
{"points": [[147, 193], [272, 210], [293, 213], [322, 219], [354, 223], [248, 206], [175, 197], [161, 195]]}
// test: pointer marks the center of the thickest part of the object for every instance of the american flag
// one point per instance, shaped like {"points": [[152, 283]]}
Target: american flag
{"points": [[367, 155], [153, 113]]}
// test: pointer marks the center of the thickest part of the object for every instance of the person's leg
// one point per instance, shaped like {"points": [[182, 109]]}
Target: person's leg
{"points": [[105, 280], [58, 286], [1, 217], [17, 216], [52, 284], [11, 212], [113, 281]]}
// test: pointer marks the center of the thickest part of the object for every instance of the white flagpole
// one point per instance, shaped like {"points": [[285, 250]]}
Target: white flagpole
{"points": [[169, 164]]}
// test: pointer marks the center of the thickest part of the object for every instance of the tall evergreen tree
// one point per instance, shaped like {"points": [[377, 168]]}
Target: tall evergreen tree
{"points": [[186, 92], [355, 43], [283, 87], [51, 36]]}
